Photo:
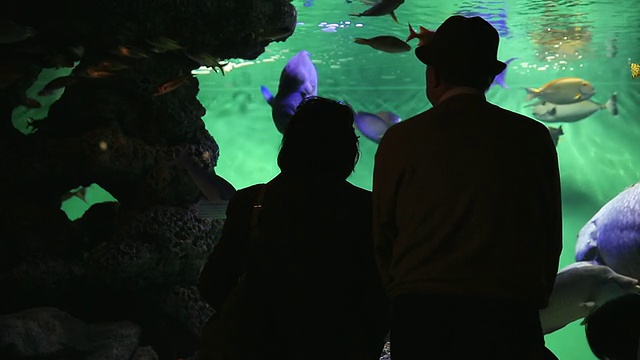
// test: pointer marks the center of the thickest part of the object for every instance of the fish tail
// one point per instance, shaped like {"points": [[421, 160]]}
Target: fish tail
{"points": [[268, 96], [412, 34], [612, 104], [361, 41], [531, 93], [393, 16]]}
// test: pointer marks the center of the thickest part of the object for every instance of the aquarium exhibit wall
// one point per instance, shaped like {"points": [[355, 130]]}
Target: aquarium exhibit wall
{"points": [[599, 154]]}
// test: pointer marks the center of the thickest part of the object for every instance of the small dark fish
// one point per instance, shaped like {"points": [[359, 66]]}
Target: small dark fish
{"points": [[80, 194], [163, 44], [172, 84], [384, 7], [30, 102], [386, 43], [131, 52], [10, 32], [56, 84]]}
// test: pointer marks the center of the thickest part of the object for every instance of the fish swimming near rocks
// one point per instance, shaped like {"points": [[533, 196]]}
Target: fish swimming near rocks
{"points": [[373, 126], [561, 91], [579, 289], [11, 32], [216, 189], [548, 112], [298, 80], [384, 7], [612, 236], [386, 43]]}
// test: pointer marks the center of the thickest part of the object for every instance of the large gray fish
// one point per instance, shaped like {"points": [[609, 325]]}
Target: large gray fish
{"points": [[298, 80], [384, 7], [612, 236], [217, 190], [579, 289], [548, 112]]}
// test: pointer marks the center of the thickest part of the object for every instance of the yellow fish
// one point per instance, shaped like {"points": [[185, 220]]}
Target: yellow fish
{"points": [[561, 91], [635, 70]]}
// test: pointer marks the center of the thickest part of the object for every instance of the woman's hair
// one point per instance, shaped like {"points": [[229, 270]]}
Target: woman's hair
{"points": [[320, 140], [613, 329]]}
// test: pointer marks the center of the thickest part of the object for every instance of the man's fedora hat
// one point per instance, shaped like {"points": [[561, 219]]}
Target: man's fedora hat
{"points": [[462, 41]]}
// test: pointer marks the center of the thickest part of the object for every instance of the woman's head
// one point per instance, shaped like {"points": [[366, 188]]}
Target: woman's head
{"points": [[320, 140]]}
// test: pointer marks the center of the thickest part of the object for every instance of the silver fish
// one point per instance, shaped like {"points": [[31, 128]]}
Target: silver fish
{"points": [[579, 289], [548, 112]]}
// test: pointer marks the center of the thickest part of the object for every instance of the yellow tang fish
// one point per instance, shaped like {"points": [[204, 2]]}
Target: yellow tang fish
{"points": [[562, 91], [635, 70]]}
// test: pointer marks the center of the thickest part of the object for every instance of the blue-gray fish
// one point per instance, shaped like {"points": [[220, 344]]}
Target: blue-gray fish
{"points": [[373, 126], [548, 112], [298, 80], [612, 236], [579, 289]]}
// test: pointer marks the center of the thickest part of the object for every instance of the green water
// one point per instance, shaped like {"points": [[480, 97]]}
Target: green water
{"points": [[599, 156]]}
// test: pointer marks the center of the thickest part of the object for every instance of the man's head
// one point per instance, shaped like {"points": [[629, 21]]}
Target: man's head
{"points": [[463, 53]]}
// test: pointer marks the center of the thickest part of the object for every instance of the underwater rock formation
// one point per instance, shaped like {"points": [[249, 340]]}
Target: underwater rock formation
{"points": [[129, 107]]}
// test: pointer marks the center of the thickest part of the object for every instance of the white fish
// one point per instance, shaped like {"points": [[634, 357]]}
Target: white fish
{"points": [[567, 90], [579, 289], [549, 112]]}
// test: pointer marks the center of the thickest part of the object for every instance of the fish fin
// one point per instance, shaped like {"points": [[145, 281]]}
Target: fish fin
{"points": [[393, 16], [358, 15], [500, 78], [612, 104], [552, 112], [412, 34], [267, 94], [588, 304], [531, 93], [578, 96], [211, 210]]}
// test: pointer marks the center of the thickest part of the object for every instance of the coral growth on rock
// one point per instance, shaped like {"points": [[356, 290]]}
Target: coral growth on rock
{"points": [[129, 107]]}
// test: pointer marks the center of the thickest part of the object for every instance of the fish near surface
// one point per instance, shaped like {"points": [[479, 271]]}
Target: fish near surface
{"points": [[548, 112], [612, 236], [579, 289], [298, 80], [561, 91], [386, 43], [384, 7]]}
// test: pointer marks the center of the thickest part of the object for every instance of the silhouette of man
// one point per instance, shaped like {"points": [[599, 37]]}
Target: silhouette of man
{"points": [[467, 211]]}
